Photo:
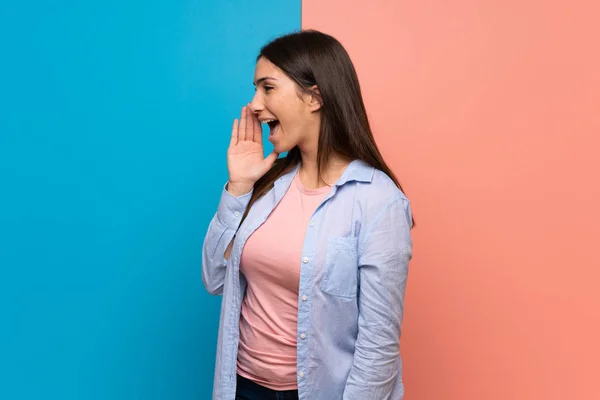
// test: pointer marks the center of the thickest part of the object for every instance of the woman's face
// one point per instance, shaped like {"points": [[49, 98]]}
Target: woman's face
{"points": [[288, 111]]}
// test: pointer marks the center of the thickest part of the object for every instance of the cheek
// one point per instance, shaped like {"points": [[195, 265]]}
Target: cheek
{"points": [[285, 107]]}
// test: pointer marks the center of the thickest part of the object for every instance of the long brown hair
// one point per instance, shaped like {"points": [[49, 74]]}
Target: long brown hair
{"points": [[311, 58]]}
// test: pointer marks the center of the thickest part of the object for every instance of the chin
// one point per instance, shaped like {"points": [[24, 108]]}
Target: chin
{"points": [[279, 147]]}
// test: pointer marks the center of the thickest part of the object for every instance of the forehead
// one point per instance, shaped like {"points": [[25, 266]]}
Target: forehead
{"points": [[265, 68]]}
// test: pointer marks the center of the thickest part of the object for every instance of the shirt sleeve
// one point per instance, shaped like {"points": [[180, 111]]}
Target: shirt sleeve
{"points": [[221, 231], [384, 255]]}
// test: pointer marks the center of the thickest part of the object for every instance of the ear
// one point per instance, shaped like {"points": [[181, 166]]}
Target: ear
{"points": [[315, 101]]}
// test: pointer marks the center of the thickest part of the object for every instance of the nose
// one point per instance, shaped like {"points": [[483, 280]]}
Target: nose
{"points": [[256, 104]]}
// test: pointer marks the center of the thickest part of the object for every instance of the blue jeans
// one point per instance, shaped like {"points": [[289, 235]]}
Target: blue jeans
{"points": [[248, 390]]}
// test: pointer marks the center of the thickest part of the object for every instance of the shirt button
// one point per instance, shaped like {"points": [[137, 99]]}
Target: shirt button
{"points": [[301, 374], [305, 260], [304, 298], [237, 213], [312, 224], [303, 336]]}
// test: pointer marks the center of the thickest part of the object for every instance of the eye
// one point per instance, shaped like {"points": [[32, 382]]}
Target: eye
{"points": [[268, 88]]}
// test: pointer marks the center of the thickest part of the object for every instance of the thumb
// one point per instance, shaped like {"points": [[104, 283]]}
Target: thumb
{"points": [[268, 162]]}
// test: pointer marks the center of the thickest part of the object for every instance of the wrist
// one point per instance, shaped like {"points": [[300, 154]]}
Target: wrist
{"points": [[238, 189]]}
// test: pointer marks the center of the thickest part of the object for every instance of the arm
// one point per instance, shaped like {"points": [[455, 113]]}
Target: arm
{"points": [[384, 255], [246, 165], [217, 243]]}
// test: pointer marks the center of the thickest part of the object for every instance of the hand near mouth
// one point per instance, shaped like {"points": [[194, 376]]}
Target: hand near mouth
{"points": [[245, 156]]}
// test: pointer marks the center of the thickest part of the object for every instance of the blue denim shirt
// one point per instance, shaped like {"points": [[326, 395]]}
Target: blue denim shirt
{"points": [[353, 275]]}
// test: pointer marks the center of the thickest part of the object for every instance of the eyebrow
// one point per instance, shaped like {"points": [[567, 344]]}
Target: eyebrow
{"points": [[264, 78]]}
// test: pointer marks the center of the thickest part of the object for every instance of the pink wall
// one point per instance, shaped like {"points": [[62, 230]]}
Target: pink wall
{"points": [[489, 112]]}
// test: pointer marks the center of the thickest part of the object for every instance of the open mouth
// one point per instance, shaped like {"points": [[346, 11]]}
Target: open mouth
{"points": [[273, 125]]}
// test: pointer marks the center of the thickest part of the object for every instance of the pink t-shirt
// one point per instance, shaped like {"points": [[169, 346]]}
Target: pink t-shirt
{"points": [[270, 262]]}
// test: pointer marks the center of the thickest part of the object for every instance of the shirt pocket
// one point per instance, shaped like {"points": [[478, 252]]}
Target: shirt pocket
{"points": [[341, 267]]}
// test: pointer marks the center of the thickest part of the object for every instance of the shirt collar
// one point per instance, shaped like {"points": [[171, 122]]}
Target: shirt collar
{"points": [[357, 170]]}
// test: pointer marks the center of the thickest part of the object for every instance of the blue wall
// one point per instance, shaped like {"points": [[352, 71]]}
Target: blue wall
{"points": [[114, 124]]}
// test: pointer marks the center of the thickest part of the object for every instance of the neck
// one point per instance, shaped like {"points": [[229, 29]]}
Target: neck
{"points": [[309, 171], [330, 173]]}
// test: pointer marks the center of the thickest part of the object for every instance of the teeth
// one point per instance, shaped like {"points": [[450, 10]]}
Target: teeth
{"points": [[266, 121]]}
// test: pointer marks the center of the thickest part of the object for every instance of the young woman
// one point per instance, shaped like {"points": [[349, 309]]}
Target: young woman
{"points": [[310, 251]]}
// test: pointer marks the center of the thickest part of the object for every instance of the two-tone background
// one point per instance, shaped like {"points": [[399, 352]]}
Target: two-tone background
{"points": [[114, 123]]}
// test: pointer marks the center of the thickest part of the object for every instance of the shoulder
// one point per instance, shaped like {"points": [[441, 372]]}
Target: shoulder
{"points": [[379, 190], [378, 197], [385, 187]]}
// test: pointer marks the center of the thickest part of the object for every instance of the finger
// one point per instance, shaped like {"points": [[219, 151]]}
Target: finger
{"points": [[249, 123], [242, 128], [257, 130], [234, 133]]}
